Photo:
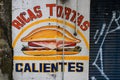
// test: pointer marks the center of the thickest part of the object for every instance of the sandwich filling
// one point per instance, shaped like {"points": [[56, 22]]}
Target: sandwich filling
{"points": [[58, 46], [51, 44], [51, 38]]}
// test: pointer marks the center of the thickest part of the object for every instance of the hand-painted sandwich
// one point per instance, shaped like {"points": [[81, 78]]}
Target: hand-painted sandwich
{"points": [[50, 40]]}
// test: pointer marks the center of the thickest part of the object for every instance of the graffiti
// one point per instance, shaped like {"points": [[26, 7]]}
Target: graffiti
{"points": [[93, 78], [103, 33]]}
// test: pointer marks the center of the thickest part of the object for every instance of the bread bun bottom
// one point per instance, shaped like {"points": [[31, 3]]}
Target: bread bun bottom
{"points": [[48, 52]]}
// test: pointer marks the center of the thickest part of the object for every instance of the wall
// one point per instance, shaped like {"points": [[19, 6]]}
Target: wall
{"points": [[5, 38]]}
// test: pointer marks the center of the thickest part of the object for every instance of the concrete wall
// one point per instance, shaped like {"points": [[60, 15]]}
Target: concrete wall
{"points": [[5, 38]]}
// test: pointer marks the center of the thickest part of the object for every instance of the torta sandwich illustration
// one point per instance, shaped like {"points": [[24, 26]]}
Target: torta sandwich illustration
{"points": [[50, 40]]}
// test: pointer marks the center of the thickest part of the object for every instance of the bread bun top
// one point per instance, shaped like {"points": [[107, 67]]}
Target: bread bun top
{"points": [[50, 33]]}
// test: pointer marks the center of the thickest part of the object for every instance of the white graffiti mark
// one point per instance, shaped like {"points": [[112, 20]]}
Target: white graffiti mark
{"points": [[96, 34], [93, 78], [103, 33]]}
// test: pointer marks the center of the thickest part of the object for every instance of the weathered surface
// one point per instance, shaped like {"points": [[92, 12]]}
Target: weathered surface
{"points": [[3, 76], [5, 40]]}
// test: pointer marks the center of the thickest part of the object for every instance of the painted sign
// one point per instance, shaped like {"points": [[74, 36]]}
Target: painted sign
{"points": [[50, 39]]}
